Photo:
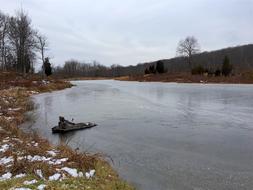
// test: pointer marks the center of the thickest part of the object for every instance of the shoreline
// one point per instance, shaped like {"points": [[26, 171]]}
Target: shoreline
{"points": [[246, 78], [89, 78], [188, 78], [30, 161]]}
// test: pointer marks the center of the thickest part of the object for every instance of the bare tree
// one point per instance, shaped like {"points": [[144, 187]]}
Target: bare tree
{"points": [[42, 46], [3, 39], [22, 39], [188, 47]]}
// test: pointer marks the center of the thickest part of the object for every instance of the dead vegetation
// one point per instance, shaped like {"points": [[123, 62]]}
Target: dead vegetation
{"points": [[31, 82], [246, 78]]}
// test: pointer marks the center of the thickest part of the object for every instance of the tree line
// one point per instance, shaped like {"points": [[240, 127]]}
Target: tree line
{"points": [[21, 44], [158, 68], [75, 68], [187, 49], [225, 70], [189, 60]]}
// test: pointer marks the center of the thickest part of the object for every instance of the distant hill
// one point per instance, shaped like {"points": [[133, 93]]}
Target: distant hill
{"points": [[240, 56]]}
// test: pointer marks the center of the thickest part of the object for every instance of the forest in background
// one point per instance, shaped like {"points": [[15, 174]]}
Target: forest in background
{"points": [[241, 57]]}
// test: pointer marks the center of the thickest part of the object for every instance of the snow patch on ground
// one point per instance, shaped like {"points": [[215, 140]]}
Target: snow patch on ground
{"points": [[33, 92], [8, 166], [20, 158], [6, 140], [41, 187], [45, 82], [17, 139], [6, 160], [58, 161], [5, 176], [52, 153], [55, 177], [8, 118], [30, 182], [14, 109], [90, 174], [80, 174], [22, 188], [36, 144], [20, 175], [37, 158], [4, 148], [70, 171], [73, 172], [39, 173]]}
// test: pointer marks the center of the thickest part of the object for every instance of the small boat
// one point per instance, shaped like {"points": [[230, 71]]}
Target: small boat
{"points": [[66, 126]]}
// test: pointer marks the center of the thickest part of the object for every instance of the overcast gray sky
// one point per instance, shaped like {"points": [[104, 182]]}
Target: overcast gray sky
{"points": [[132, 31]]}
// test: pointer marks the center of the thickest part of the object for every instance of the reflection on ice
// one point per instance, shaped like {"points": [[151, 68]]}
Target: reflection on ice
{"points": [[160, 135]]}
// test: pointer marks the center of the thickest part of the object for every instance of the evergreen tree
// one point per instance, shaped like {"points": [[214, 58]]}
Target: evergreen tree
{"points": [[152, 69], [47, 67], [160, 67], [146, 71], [217, 72], [226, 67], [198, 70]]}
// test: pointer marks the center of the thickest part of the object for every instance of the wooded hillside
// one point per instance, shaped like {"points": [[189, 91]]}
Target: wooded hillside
{"points": [[241, 57]]}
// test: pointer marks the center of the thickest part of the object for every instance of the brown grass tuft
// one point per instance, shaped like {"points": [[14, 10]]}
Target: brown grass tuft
{"points": [[83, 161]]}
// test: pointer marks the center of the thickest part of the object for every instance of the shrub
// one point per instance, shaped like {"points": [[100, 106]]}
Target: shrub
{"points": [[198, 70], [160, 67], [147, 71], [48, 68], [152, 69], [217, 72], [226, 67]]}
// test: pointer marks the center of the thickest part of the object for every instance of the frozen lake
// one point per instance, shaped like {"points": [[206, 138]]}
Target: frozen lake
{"points": [[160, 135]]}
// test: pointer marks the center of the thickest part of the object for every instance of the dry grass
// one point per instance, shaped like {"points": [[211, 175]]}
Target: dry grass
{"points": [[83, 161], [88, 78], [246, 78], [106, 179], [31, 82]]}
